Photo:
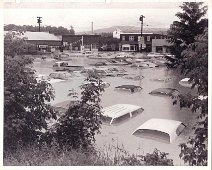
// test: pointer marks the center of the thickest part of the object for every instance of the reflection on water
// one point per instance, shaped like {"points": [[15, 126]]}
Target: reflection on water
{"points": [[154, 106]]}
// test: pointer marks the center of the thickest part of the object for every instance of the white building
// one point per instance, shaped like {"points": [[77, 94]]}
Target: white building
{"points": [[116, 33]]}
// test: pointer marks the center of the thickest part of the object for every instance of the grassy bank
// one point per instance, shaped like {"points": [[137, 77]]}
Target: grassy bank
{"points": [[46, 156]]}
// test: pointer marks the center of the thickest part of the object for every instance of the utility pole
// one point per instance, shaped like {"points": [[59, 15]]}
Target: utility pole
{"points": [[142, 23], [92, 28], [39, 21]]}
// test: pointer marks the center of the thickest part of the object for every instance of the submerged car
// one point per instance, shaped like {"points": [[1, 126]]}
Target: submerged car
{"points": [[104, 72], [102, 84], [131, 88], [155, 55], [185, 82], [119, 112], [99, 64], [144, 65], [133, 77], [168, 79], [46, 78], [165, 91], [164, 129], [61, 75]]}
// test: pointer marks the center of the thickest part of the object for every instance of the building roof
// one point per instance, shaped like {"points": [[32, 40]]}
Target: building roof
{"points": [[137, 33], [45, 36], [163, 125], [80, 35], [118, 110]]}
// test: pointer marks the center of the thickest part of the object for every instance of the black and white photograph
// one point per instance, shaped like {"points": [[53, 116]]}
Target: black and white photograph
{"points": [[105, 83]]}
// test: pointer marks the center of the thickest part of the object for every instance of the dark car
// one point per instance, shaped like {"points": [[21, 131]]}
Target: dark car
{"points": [[131, 88], [165, 91]]}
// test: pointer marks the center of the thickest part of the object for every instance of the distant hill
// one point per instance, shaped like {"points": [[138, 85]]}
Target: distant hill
{"points": [[128, 29]]}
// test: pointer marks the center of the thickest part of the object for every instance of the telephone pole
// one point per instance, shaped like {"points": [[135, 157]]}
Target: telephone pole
{"points": [[142, 23], [39, 21], [92, 28]]}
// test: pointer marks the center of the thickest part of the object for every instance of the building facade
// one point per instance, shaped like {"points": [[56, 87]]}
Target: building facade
{"points": [[81, 42], [149, 42], [108, 43], [43, 41]]}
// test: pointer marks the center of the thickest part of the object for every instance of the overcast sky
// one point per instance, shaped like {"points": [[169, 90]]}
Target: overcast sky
{"points": [[157, 15]]}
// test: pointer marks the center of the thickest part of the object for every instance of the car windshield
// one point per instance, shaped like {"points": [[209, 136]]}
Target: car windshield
{"points": [[106, 119], [121, 118], [180, 129]]}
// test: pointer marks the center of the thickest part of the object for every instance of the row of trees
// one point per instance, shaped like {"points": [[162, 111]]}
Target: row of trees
{"points": [[51, 29], [189, 36]]}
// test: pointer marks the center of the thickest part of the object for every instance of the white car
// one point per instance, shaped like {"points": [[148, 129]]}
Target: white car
{"points": [[155, 55], [119, 112], [160, 128], [185, 82], [103, 84]]}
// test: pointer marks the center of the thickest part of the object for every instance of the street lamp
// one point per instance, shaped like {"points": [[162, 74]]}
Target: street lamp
{"points": [[142, 23]]}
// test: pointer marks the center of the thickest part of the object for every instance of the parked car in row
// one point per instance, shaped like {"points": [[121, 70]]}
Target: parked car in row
{"points": [[64, 66], [119, 113], [164, 129], [165, 91]]}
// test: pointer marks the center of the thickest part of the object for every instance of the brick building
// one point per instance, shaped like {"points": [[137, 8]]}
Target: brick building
{"points": [[149, 42]]}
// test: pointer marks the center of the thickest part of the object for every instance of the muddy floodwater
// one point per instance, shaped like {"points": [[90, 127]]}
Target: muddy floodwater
{"points": [[154, 106]]}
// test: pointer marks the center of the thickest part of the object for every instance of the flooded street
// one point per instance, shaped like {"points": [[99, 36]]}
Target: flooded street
{"points": [[154, 106]]}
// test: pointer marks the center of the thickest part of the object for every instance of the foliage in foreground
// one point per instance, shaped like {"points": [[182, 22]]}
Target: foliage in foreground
{"points": [[195, 66], [54, 156], [76, 128], [25, 103]]}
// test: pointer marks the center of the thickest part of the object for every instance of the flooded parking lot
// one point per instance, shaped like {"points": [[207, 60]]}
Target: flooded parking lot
{"points": [[154, 106]]}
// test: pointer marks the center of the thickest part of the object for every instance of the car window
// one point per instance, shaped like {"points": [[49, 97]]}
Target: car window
{"points": [[121, 118], [180, 129], [106, 119]]}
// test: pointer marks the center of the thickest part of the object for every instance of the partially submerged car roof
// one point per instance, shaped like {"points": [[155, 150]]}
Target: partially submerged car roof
{"points": [[165, 91], [128, 87], [118, 110], [185, 82], [167, 126]]}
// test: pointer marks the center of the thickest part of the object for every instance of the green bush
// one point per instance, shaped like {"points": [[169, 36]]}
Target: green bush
{"points": [[54, 156], [78, 126], [25, 103]]}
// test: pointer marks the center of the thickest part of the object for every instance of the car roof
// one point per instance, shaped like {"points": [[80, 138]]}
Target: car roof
{"points": [[167, 90], [163, 125], [128, 86], [118, 110], [61, 62], [185, 79]]}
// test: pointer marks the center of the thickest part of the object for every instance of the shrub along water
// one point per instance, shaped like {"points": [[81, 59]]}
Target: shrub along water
{"points": [[55, 156]]}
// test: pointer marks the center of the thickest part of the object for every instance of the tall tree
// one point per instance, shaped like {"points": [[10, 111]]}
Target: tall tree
{"points": [[195, 66], [182, 33], [13, 45], [71, 31], [26, 107]]}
